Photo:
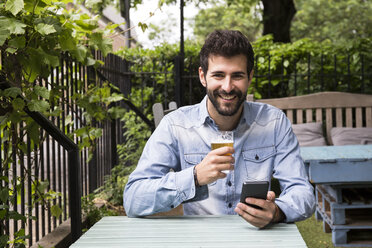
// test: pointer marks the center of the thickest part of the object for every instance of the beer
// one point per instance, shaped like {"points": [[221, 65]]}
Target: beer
{"points": [[218, 145], [223, 138]]}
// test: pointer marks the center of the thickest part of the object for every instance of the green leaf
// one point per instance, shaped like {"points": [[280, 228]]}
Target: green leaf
{"points": [[103, 44], [114, 98], [143, 26], [43, 186], [38, 105], [33, 131], [4, 240], [41, 91], [4, 34], [12, 92], [16, 27], [2, 214], [11, 50], [45, 29], [14, 6], [18, 104], [16, 216], [4, 194], [117, 112], [66, 41], [56, 211]]}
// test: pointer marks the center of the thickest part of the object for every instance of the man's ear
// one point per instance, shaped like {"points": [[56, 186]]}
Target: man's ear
{"points": [[250, 77], [202, 77]]}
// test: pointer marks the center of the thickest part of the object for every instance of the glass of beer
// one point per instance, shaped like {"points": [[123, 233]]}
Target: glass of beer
{"points": [[224, 138]]}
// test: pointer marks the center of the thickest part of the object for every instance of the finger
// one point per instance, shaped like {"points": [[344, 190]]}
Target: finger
{"points": [[271, 195], [223, 150], [221, 159], [255, 201], [222, 167], [246, 213]]}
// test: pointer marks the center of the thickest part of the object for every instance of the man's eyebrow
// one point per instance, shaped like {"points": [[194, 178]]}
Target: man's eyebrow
{"points": [[239, 73], [217, 72]]}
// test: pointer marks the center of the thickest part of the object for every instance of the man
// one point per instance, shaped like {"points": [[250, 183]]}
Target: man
{"points": [[177, 164]]}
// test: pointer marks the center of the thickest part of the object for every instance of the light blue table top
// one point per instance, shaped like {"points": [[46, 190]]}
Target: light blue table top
{"points": [[324, 153], [339, 164], [187, 231]]}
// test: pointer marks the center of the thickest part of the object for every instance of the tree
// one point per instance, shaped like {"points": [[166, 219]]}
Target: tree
{"points": [[249, 16], [277, 18], [337, 21]]}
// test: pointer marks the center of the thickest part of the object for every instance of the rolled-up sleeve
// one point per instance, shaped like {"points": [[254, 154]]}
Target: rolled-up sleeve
{"points": [[297, 199]]}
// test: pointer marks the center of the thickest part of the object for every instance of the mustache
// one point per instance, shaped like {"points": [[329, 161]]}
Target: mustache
{"points": [[231, 93]]}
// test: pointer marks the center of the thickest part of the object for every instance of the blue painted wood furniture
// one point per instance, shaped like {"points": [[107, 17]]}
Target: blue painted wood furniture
{"points": [[187, 231], [343, 187]]}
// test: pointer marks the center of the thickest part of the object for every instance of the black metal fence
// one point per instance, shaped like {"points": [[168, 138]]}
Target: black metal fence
{"points": [[50, 165]]}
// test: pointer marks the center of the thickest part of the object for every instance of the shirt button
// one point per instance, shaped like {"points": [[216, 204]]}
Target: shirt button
{"points": [[229, 183], [230, 205], [172, 206]]}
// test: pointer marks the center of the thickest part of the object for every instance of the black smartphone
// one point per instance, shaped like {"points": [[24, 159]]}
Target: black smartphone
{"points": [[255, 189]]}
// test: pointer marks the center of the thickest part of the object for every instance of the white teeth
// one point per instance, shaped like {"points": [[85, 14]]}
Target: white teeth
{"points": [[228, 97]]}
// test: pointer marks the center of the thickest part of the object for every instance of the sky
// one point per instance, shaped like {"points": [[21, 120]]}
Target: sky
{"points": [[168, 17]]}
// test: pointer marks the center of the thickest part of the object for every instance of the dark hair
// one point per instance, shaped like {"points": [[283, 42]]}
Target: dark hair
{"points": [[226, 43]]}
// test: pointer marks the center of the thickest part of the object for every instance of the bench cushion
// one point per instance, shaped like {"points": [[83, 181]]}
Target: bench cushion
{"points": [[351, 136], [309, 134]]}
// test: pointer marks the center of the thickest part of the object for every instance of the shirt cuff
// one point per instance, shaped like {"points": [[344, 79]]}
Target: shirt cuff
{"points": [[186, 186]]}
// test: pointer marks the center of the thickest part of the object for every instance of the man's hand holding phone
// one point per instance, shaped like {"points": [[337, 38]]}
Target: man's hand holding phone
{"points": [[257, 204]]}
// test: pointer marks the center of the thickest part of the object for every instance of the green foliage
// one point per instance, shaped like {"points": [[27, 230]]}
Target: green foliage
{"points": [[93, 212], [239, 15], [337, 21], [34, 35], [136, 134]]}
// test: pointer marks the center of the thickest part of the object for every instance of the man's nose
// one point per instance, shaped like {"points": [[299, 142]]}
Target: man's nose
{"points": [[227, 84]]}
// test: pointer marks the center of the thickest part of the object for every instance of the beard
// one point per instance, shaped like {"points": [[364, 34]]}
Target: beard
{"points": [[227, 109]]}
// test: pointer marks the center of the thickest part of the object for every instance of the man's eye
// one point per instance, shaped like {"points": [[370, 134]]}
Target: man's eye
{"points": [[218, 75], [238, 77]]}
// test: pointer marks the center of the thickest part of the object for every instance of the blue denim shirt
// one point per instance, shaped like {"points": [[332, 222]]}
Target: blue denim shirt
{"points": [[264, 144]]}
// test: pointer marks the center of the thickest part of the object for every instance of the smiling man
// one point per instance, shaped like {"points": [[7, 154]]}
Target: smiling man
{"points": [[178, 166]]}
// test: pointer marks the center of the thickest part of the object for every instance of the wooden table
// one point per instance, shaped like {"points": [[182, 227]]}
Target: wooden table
{"points": [[187, 231], [338, 164]]}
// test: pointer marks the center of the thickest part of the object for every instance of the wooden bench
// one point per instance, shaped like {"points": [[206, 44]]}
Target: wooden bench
{"points": [[333, 109]]}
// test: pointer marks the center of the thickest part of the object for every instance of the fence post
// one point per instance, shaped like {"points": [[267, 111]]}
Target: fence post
{"points": [[179, 88], [93, 184]]}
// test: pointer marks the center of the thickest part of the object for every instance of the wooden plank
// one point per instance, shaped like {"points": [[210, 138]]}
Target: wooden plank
{"points": [[349, 117], [290, 115], [319, 115], [339, 117], [309, 115], [369, 117], [329, 123], [299, 116], [321, 100], [358, 117]]}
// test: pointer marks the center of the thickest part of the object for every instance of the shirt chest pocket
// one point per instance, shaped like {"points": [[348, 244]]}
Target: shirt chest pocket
{"points": [[259, 163], [193, 159]]}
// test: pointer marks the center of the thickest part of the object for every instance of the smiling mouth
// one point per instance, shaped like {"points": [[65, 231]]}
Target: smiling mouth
{"points": [[227, 97]]}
